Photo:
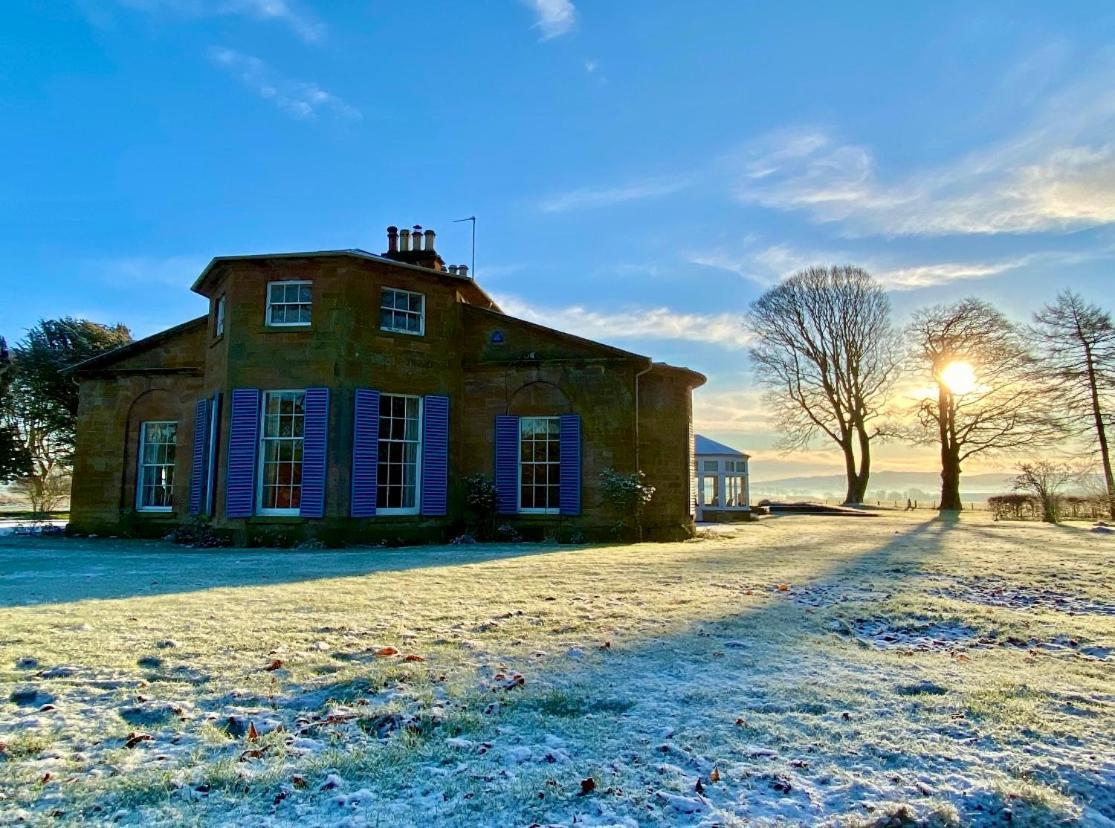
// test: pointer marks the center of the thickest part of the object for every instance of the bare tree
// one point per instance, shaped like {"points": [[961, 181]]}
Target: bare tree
{"points": [[827, 354], [985, 398], [1044, 481], [1077, 355]]}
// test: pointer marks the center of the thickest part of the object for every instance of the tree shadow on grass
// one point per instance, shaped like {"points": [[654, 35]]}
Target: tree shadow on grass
{"points": [[35, 572]]}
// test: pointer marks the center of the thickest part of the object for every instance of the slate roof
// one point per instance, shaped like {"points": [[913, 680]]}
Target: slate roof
{"points": [[706, 445]]}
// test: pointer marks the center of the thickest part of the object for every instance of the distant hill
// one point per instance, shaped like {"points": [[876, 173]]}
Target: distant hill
{"points": [[884, 485]]}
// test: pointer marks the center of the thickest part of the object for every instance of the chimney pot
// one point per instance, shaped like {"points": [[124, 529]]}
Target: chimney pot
{"points": [[404, 240], [462, 270], [452, 270], [430, 235], [392, 239]]}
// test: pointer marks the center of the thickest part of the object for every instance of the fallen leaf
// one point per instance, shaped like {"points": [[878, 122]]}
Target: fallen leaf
{"points": [[298, 781], [783, 587], [253, 734], [699, 788], [741, 722], [587, 786], [383, 652], [135, 738], [46, 777], [251, 754], [714, 776], [276, 664], [413, 657]]}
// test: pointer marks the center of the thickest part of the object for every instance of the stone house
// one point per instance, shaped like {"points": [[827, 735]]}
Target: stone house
{"points": [[342, 395]]}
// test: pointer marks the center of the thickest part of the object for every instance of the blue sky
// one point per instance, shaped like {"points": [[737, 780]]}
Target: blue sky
{"points": [[641, 171]]}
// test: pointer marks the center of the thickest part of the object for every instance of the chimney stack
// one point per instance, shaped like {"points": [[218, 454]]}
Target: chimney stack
{"points": [[415, 246], [462, 270]]}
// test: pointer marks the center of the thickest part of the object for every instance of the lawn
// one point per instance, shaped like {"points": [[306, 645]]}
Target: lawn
{"points": [[882, 671]]}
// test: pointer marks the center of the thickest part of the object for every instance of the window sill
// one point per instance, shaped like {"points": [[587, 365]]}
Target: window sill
{"points": [[397, 512], [542, 512], [402, 332], [149, 511], [300, 326]]}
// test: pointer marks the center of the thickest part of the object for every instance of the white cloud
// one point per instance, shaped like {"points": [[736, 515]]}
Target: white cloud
{"points": [[554, 17], [736, 411], [1056, 173], [725, 330], [302, 23], [768, 265], [603, 197], [300, 99]]}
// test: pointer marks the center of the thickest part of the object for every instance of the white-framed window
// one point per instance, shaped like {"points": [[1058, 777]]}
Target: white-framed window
{"points": [[155, 481], [282, 422], [710, 491], [400, 454], [722, 484], [219, 317], [735, 491], [289, 303], [402, 311], [539, 465]]}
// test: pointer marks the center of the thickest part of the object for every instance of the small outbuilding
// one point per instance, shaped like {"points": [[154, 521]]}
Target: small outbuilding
{"points": [[723, 487]]}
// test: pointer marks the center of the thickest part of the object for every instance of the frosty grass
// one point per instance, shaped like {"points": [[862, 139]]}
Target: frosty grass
{"points": [[897, 670]]}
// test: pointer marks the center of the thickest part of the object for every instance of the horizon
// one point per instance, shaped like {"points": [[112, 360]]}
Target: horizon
{"points": [[634, 200]]}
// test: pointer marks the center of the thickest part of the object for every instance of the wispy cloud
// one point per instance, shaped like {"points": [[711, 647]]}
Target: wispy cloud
{"points": [[553, 17], [299, 99], [1056, 173], [767, 265], [301, 22], [606, 196], [725, 329]]}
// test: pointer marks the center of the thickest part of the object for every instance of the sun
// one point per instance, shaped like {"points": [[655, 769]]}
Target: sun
{"points": [[959, 377]]}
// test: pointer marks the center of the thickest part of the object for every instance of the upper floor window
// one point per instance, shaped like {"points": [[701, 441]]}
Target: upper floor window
{"points": [[155, 484], [709, 465], [280, 455], [400, 449], [288, 303], [219, 317], [539, 464], [402, 311]]}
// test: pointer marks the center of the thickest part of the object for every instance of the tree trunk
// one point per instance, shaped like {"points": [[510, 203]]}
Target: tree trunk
{"points": [[1101, 434], [857, 482], [950, 482]]}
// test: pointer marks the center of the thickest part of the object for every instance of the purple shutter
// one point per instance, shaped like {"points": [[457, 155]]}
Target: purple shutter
{"points": [[243, 441], [435, 454], [507, 463], [569, 495], [211, 453], [365, 453], [315, 447], [197, 471]]}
